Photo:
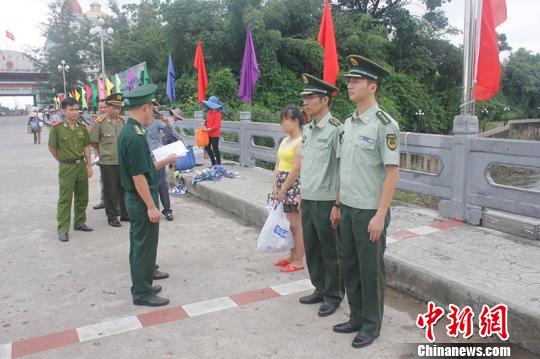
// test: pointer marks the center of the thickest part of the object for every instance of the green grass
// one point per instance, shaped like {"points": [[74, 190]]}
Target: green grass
{"points": [[417, 199]]}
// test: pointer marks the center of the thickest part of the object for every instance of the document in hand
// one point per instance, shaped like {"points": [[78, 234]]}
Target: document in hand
{"points": [[177, 148]]}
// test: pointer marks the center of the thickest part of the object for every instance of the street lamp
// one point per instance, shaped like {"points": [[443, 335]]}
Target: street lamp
{"points": [[420, 114], [484, 113], [100, 30], [64, 68]]}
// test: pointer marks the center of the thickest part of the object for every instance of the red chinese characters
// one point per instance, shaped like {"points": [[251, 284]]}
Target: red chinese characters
{"points": [[494, 321], [491, 321], [429, 319]]}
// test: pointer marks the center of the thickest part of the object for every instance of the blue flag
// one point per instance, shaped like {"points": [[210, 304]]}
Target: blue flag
{"points": [[170, 81]]}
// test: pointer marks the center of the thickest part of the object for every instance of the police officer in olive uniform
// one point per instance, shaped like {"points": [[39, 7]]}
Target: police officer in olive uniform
{"points": [[104, 137], [69, 144], [369, 173], [320, 179], [139, 178]]}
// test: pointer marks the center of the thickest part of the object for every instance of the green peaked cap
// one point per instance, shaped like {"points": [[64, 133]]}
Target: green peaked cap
{"points": [[365, 68], [315, 85]]}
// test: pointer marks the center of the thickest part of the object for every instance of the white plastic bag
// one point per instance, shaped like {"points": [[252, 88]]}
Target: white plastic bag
{"points": [[276, 233]]}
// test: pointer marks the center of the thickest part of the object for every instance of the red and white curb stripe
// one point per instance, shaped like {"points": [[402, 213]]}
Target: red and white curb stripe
{"points": [[122, 325], [423, 230], [127, 324]]}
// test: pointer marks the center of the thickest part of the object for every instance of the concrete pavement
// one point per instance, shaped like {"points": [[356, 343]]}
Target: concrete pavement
{"points": [[48, 287]]}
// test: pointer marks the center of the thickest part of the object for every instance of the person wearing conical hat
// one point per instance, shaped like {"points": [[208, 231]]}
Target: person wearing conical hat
{"points": [[369, 173], [104, 134], [139, 177], [319, 179]]}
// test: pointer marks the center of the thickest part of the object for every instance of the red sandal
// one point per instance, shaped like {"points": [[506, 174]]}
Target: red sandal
{"points": [[282, 262], [291, 268]]}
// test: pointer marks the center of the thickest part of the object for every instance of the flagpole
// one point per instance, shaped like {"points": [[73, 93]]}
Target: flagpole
{"points": [[470, 47]]}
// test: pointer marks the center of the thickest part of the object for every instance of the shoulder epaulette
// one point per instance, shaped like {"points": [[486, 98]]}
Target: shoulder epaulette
{"points": [[138, 130], [101, 118], [56, 124], [122, 118], [383, 117], [335, 122]]}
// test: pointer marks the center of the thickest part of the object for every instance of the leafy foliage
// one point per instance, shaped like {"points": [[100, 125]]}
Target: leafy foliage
{"points": [[426, 68]]}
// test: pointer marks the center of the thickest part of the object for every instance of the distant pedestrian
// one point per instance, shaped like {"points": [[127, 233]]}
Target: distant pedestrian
{"points": [[212, 125], [35, 126]]}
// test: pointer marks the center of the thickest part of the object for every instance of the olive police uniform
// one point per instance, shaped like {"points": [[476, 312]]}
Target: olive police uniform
{"points": [[104, 133], [135, 159], [70, 144], [320, 177], [369, 143]]}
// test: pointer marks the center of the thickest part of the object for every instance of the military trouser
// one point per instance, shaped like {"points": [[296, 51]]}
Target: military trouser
{"points": [[363, 267], [101, 185], [113, 190], [143, 242], [72, 181], [323, 253]]}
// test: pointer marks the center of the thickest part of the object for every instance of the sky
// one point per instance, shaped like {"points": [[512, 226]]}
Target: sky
{"points": [[23, 19]]}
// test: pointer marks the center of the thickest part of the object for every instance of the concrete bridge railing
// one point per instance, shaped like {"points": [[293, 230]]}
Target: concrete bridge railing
{"points": [[464, 184]]}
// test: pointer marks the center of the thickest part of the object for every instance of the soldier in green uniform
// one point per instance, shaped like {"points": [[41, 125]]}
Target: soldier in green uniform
{"points": [[140, 181], [319, 179], [104, 137], [69, 144], [369, 173]]}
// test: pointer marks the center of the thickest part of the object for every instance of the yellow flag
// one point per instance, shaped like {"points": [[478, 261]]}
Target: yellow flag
{"points": [[108, 86]]}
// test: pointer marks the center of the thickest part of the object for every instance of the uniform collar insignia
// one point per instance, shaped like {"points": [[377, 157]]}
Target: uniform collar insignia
{"points": [[138, 130]]}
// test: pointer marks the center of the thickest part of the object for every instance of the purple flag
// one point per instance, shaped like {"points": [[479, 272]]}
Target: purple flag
{"points": [[131, 80], [250, 70]]}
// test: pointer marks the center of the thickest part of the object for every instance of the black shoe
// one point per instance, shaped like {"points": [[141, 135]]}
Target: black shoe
{"points": [[327, 309], [311, 299], [124, 218], [168, 216], [153, 301], [84, 228], [345, 328], [160, 275], [63, 237], [363, 339], [113, 222], [156, 289], [100, 205]]}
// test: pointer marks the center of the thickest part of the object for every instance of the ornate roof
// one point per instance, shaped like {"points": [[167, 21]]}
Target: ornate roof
{"points": [[73, 7]]}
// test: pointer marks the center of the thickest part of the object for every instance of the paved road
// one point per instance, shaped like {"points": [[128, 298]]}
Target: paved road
{"points": [[52, 287]]}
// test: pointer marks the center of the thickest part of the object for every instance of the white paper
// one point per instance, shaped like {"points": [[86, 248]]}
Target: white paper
{"points": [[176, 148]]}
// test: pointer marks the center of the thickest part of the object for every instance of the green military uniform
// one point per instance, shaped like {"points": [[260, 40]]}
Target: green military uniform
{"points": [[369, 143], [70, 144], [320, 177], [104, 133], [135, 159]]}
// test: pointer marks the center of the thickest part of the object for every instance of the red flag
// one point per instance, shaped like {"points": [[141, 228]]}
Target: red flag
{"points": [[488, 74], [88, 91], [327, 40], [202, 79], [10, 36]]}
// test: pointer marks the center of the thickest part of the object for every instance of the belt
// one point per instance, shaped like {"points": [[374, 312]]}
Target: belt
{"points": [[72, 162]]}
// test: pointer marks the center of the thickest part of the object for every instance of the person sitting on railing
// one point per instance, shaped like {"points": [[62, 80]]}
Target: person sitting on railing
{"points": [[212, 125], [286, 184]]}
